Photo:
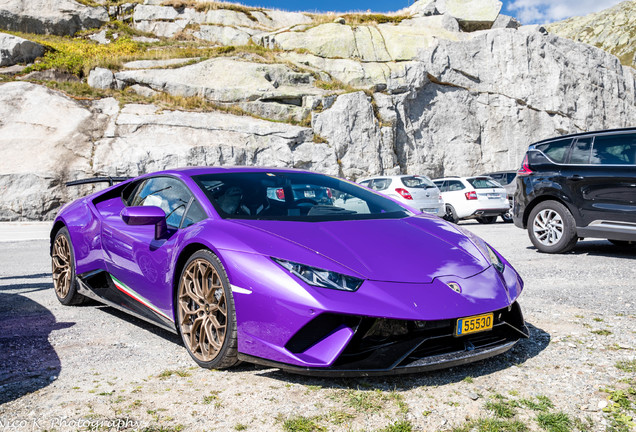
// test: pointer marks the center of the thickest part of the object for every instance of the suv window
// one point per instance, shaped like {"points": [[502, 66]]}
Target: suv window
{"points": [[556, 150], [165, 192], [417, 182], [454, 185], [581, 151], [614, 150]]}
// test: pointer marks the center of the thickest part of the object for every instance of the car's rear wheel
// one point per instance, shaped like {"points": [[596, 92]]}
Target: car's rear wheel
{"points": [[507, 217], [63, 269], [552, 228], [205, 312], [623, 243], [487, 219], [451, 214]]}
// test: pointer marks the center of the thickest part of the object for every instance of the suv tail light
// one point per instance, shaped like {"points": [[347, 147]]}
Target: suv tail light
{"points": [[472, 195], [405, 194], [525, 168], [280, 194]]}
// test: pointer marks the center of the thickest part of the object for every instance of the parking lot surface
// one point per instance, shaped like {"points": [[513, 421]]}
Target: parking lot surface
{"points": [[76, 368]]}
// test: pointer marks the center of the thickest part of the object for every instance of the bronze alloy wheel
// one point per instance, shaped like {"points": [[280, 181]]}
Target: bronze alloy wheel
{"points": [[202, 310], [62, 266]]}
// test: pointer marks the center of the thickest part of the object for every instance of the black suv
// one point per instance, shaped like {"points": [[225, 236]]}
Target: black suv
{"points": [[578, 186]]}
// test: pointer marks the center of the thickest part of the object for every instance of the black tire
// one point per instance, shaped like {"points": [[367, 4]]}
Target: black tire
{"points": [[199, 343], [63, 269], [623, 243], [507, 217], [487, 220], [451, 214], [552, 228]]}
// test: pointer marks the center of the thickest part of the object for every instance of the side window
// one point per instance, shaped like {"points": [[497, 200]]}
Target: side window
{"points": [[440, 185], [195, 214], [381, 184], [614, 150], [581, 151], [556, 150], [455, 185], [511, 177], [165, 192]]}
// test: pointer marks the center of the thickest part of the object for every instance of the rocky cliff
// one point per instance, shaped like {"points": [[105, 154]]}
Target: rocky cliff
{"points": [[446, 87], [613, 30]]}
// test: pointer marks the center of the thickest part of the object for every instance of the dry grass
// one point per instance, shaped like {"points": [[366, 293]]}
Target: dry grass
{"points": [[355, 19], [207, 6], [79, 56]]}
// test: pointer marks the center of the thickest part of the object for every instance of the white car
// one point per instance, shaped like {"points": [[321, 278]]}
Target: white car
{"points": [[416, 191], [479, 198]]}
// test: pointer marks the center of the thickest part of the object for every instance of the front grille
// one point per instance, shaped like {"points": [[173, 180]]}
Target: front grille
{"points": [[380, 343]]}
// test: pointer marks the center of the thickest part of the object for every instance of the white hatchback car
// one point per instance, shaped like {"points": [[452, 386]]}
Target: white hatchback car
{"points": [[416, 191], [478, 198]]}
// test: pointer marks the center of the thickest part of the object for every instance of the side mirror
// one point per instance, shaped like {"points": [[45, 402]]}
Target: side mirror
{"points": [[146, 215]]}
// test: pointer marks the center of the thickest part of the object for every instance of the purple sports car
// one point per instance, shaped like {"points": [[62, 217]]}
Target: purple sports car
{"points": [[291, 269]]}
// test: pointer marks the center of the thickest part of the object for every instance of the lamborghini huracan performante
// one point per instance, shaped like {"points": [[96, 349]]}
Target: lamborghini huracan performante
{"points": [[290, 269]]}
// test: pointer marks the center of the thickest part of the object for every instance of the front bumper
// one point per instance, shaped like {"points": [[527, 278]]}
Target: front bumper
{"points": [[385, 347]]}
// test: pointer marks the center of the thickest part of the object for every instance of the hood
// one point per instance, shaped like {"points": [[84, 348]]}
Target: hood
{"points": [[410, 250]]}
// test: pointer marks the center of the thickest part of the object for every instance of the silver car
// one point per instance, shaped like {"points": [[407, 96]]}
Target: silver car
{"points": [[416, 191]]}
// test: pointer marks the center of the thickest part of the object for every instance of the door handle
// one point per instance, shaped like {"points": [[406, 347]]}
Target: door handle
{"points": [[576, 177]]}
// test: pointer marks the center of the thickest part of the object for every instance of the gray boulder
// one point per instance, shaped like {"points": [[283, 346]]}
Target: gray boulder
{"points": [[227, 80], [472, 14], [59, 17], [14, 50], [505, 21], [101, 78]]}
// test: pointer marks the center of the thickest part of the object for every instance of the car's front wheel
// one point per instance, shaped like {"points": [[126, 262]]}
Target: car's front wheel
{"points": [[205, 312], [63, 269], [552, 228]]}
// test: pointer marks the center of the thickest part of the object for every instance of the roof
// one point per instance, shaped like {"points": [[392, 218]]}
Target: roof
{"points": [[193, 171], [608, 131]]}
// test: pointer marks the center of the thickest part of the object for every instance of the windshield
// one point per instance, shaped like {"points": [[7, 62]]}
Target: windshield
{"points": [[294, 197], [483, 183], [417, 182]]}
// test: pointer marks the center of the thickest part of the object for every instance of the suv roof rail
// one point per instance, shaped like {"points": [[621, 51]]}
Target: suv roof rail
{"points": [[599, 132]]}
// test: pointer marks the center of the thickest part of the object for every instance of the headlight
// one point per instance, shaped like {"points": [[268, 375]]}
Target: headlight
{"points": [[494, 259], [485, 249], [321, 278]]}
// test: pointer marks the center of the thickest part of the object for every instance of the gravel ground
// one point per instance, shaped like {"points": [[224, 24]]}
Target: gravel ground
{"points": [[91, 367]]}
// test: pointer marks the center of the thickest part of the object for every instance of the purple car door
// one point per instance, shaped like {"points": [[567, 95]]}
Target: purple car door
{"points": [[138, 261]]}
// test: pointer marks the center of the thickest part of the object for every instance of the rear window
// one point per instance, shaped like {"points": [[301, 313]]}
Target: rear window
{"points": [[557, 151], [483, 183], [417, 182], [614, 150]]}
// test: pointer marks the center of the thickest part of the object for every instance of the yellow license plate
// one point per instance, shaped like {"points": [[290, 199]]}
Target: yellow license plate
{"points": [[473, 324]]}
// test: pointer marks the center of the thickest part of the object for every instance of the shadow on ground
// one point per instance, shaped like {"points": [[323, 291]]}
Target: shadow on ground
{"points": [[601, 248], [525, 349], [28, 362], [158, 331]]}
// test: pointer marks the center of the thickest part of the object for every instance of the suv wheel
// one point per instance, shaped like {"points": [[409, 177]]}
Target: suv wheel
{"points": [[552, 228]]}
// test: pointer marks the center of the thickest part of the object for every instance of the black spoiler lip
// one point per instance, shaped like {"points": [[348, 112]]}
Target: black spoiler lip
{"points": [[109, 180]]}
